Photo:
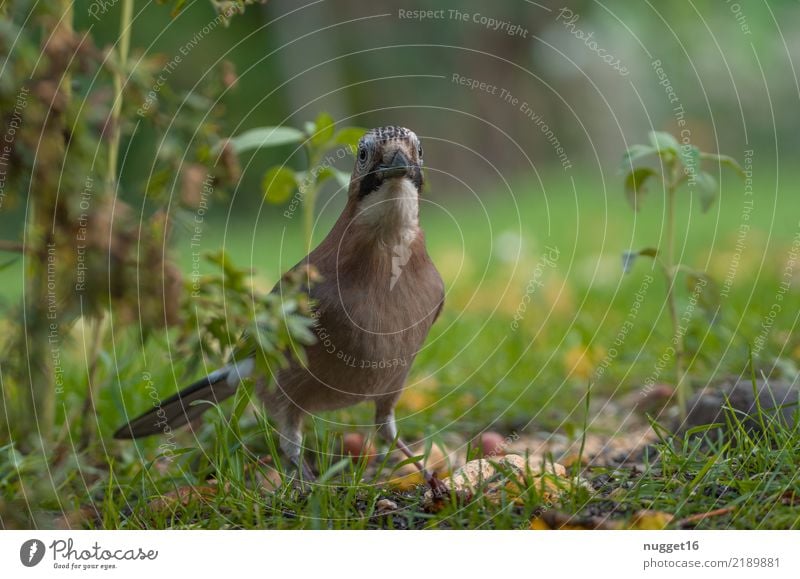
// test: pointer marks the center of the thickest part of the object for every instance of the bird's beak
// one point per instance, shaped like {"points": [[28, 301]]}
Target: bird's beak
{"points": [[399, 166]]}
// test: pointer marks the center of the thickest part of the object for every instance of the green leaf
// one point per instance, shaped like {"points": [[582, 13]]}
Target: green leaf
{"points": [[707, 188], [325, 173], [664, 142], [725, 160], [690, 158], [278, 185], [242, 398], [300, 329], [634, 184], [637, 152], [349, 136], [265, 137], [324, 126], [703, 289], [342, 178]]}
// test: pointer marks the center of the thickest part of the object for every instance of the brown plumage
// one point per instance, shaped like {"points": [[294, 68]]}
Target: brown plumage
{"points": [[379, 295]]}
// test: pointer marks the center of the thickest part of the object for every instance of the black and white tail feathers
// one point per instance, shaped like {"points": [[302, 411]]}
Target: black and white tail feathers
{"points": [[179, 409]]}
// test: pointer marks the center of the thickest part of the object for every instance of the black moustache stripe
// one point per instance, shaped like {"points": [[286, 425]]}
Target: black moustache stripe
{"points": [[372, 182]]}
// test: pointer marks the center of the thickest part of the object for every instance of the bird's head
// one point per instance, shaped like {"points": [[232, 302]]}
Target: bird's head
{"points": [[387, 180]]}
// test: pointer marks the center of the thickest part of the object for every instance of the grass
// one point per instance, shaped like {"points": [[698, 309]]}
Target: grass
{"points": [[476, 373], [750, 476]]}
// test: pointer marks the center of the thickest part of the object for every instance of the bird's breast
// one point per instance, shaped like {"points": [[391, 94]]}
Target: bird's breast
{"points": [[377, 320]]}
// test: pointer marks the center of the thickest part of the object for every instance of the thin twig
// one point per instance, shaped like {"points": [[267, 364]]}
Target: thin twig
{"points": [[11, 246], [702, 516]]}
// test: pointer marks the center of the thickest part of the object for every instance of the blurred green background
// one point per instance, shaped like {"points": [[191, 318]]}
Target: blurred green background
{"points": [[729, 64], [528, 161]]}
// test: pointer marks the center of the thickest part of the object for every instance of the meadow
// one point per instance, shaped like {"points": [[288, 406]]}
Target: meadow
{"points": [[535, 320]]}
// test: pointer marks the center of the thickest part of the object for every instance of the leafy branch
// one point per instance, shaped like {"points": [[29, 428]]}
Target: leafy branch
{"points": [[680, 165], [323, 145]]}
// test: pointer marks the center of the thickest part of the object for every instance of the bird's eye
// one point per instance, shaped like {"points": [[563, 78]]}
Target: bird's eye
{"points": [[362, 154], [419, 150]]}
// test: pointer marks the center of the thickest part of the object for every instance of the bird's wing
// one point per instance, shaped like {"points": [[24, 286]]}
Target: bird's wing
{"points": [[441, 283], [438, 310]]}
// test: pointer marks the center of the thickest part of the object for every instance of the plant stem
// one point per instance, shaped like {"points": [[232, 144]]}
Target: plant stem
{"points": [[310, 200], [125, 26], [89, 410], [308, 213], [671, 274]]}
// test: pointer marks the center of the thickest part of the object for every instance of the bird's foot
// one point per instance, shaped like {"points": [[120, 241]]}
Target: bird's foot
{"points": [[308, 474], [305, 476], [438, 488]]}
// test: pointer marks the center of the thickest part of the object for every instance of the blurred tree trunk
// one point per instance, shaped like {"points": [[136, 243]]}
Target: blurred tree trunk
{"points": [[299, 57]]}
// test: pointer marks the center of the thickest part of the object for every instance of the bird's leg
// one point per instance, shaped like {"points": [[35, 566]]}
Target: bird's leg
{"points": [[387, 429], [302, 465], [291, 443], [438, 488]]}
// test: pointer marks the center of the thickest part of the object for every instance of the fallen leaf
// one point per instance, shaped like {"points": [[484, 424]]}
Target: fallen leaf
{"points": [[646, 520], [438, 460], [538, 524], [406, 482], [510, 476], [552, 520]]}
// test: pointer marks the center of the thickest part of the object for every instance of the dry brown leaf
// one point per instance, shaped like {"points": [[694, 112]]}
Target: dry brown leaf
{"points": [[439, 461], [510, 476]]}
